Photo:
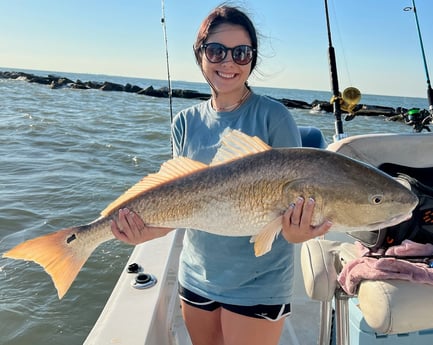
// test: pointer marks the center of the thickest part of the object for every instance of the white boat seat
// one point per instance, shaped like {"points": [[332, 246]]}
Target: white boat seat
{"points": [[388, 307], [410, 153], [410, 149], [391, 306], [320, 267]]}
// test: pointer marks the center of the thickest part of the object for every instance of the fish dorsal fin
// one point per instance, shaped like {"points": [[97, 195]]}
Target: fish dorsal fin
{"points": [[235, 144], [169, 171]]}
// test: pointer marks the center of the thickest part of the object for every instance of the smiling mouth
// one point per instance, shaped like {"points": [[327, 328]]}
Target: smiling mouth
{"points": [[226, 75]]}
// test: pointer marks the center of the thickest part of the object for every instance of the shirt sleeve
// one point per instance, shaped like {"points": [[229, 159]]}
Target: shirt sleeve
{"points": [[283, 131], [177, 134]]}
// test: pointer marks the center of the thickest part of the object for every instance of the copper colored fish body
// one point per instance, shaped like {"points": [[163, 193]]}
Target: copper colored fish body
{"points": [[243, 192]]}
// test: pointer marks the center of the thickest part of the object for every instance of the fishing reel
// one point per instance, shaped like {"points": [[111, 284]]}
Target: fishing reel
{"points": [[418, 119], [348, 101]]}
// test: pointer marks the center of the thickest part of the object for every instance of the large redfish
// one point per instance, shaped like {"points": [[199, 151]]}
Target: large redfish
{"points": [[243, 192]]}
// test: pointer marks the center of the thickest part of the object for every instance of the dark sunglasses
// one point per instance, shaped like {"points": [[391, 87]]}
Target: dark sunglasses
{"points": [[217, 52]]}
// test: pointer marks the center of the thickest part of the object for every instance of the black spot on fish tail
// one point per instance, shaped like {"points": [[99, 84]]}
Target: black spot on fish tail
{"points": [[71, 238]]}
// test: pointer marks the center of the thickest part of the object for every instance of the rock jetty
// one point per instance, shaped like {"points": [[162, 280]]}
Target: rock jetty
{"points": [[56, 82]]}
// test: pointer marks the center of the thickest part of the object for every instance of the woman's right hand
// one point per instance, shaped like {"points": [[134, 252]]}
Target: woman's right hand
{"points": [[131, 229]]}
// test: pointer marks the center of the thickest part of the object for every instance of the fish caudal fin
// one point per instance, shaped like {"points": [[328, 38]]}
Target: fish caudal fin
{"points": [[264, 239], [56, 254]]}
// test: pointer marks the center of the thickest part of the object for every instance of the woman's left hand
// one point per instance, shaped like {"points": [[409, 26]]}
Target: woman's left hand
{"points": [[297, 222]]}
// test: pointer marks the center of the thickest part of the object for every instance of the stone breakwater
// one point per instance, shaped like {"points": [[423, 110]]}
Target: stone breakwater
{"points": [[56, 82]]}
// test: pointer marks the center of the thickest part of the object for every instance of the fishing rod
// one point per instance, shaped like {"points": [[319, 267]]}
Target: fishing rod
{"points": [[339, 133], [429, 89], [170, 90], [325, 306]]}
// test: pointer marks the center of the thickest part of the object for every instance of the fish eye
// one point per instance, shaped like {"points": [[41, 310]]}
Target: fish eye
{"points": [[376, 199]]}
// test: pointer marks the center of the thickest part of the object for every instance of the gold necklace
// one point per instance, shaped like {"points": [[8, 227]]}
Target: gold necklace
{"points": [[236, 105]]}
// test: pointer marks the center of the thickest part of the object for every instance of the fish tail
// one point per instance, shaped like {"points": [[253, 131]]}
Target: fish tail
{"points": [[57, 253]]}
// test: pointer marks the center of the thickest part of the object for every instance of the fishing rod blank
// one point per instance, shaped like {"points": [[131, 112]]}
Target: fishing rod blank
{"points": [[339, 134], [170, 90], [429, 89]]}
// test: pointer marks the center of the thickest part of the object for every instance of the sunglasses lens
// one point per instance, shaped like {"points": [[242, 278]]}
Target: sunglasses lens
{"points": [[242, 55], [215, 52]]}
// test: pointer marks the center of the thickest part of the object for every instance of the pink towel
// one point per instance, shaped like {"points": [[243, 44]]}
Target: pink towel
{"points": [[409, 248], [370, 268]]}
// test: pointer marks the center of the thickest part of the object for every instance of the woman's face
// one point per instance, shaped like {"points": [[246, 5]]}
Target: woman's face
{"points": [[227, 76]]}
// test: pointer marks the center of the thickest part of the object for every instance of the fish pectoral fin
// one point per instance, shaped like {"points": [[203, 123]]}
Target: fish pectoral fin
{"points": [[57, 254], [264, 239], [169, 171], [235, 144]]}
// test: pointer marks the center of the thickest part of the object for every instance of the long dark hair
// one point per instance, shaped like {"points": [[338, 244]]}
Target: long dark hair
{"points": [[225, 15]]}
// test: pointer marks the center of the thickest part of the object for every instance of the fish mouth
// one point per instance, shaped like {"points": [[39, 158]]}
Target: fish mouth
{"points": [[391, 222]]}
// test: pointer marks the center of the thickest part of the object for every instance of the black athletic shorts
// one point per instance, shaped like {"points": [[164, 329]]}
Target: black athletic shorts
{"points": [[259, 311]]}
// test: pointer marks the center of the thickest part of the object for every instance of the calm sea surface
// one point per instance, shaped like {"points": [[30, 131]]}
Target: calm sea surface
{"points": [[64, 155]]}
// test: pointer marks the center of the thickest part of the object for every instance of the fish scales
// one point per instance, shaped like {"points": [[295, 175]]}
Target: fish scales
{"points": [[221, 198]]}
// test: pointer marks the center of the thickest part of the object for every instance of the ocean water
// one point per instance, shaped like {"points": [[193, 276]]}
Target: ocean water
{"points": [[65, 154]]}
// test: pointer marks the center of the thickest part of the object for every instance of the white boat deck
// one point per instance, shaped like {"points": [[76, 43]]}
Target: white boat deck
{"points": [[153, 317]]}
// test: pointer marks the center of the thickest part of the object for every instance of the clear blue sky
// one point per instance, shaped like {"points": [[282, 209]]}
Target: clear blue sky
{"points": [[375, 40]]}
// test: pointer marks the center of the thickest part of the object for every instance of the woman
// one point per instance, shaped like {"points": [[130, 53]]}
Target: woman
{"points": [[229, 296]]}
